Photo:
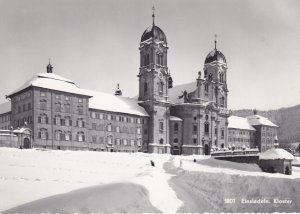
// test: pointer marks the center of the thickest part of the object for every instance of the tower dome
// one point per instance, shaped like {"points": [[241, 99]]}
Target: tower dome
{"points": [[154, 32], [215, 55]]}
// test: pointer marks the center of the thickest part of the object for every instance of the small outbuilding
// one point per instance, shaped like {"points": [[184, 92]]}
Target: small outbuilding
{"points": [[276, 160]]}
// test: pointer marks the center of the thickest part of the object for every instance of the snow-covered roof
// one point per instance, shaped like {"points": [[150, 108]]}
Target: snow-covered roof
{"points": [[52, 81], [235, 122], [5, 107], [256, 120], [113, 103], [276, 153], [173, 118], [177, 91]]}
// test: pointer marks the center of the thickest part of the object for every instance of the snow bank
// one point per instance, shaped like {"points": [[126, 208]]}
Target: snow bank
{"points": [[276, 153], [110, 198], [226, 167]]}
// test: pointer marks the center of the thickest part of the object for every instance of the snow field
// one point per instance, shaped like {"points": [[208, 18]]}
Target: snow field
{"points": [[28, 175], [211, 165]]}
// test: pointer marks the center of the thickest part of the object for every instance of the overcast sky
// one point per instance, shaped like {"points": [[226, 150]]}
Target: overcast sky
{"points": [[95, 43]]}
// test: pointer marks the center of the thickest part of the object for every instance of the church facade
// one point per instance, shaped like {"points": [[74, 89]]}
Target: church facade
{"points": [[186, 119]]}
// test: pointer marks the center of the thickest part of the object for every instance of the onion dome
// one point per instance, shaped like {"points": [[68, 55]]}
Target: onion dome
{"points": [[215, 55], [154, 32]]}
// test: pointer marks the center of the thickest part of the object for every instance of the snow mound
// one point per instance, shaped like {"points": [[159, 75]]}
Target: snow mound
{"points": [[110, 198], [276, 153]]}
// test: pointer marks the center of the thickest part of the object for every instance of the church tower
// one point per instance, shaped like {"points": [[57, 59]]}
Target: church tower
{"points": [[154, 81], [215, 71]]}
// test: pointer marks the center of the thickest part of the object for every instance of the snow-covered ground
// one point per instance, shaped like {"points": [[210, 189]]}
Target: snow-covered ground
{"points": [[86, 181], [28, 175], [211, 165]]}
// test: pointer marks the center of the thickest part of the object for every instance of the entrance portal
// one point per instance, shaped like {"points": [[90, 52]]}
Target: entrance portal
{"points": [[175, 150], [26, 143], [206, 149]]}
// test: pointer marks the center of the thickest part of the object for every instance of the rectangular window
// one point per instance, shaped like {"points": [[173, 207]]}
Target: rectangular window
{"points": [[57, 97], [79, 100], [93, 115], [94, 139], [94, 126], [195, 140], [101, 116], [118, 129], [138, 130], [67, 108], [67, 98], [29, 106], [195, 127], [161, 126], [43, 94], [131, 142], [80, 110], [109, 127]]}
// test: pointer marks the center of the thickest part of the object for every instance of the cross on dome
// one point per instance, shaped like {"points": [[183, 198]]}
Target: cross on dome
{"points": [[153, 15]]}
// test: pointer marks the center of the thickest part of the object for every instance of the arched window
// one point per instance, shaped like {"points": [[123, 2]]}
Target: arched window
{"points": [[222, 101], [68, 136], [161, 141], [80, 136], [43, 119], [80, 123], [175, 140], [109, 140], [57, 120], [43, 134], [161, 87], [58, 135], [176, 127], [206, 128]]}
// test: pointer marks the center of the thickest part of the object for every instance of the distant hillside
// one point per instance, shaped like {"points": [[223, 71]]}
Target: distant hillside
{"points": [[288, 120]]}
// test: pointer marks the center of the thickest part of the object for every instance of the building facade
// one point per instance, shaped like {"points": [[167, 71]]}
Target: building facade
{"points": [[186, 119]]}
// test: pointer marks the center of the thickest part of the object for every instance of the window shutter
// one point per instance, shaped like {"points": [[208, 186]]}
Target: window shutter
{"points": [[46, 120], [70, 122], [39, 135], [39, 119], [54, 121], [83, 137], [83, 123]]}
